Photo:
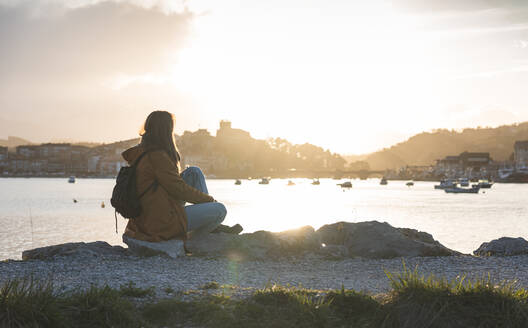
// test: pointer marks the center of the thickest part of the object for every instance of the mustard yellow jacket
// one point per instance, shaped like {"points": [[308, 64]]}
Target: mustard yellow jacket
{"points": [[163, 216]]}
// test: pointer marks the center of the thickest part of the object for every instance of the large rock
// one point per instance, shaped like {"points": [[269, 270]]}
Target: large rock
{"points": [[380, 240], [339, 240], [257, 245], [505, 246], [172, 248], [94, 249]]}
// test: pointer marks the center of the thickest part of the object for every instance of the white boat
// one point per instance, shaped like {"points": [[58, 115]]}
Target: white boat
{"points": [[291, 183], [316, 182], [71, 179]]}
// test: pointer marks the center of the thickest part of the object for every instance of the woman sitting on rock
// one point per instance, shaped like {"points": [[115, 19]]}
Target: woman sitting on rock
{"points": [[164, 191]]}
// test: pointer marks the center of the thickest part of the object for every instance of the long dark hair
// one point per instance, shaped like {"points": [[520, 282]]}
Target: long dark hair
{"points": [[158, 133]]}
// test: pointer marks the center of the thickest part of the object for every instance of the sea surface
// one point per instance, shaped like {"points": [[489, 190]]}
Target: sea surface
{"points": [[38, 212]]}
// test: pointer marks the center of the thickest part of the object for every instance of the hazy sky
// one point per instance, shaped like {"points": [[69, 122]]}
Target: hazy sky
{"points": [[352, 76]]}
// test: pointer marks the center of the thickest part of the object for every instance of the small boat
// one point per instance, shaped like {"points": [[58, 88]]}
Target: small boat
{"points": [[383, 181], [446, 184], [102, 205], [291, 183], [458, 190], [264, 181], [71, 179], [464, 182], [409, 184], [316, 182], [238, 182], [484, 184], [346, 184]]}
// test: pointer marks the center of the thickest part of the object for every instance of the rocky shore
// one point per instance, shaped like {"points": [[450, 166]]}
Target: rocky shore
{"points": [[350, 255]]}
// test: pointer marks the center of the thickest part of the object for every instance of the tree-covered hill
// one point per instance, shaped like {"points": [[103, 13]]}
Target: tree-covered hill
{"points": [[425, 148]]}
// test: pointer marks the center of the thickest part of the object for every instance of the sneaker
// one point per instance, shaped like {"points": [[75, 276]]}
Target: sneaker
{"points": [[236, 229]]}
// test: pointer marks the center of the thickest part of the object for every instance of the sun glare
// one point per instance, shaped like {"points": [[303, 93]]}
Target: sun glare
{"points": [[358, 71]]}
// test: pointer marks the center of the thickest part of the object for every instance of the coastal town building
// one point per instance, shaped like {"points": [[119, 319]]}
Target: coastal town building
{"points": [[231, 153], [4, 153], [520, 155], [468, 164]]}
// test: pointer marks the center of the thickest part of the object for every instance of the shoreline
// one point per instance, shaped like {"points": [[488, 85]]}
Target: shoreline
{"points": [[189, 273]]}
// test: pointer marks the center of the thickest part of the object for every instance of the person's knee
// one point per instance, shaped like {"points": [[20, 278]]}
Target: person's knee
{"points": [[222, 212], [194, 170]]}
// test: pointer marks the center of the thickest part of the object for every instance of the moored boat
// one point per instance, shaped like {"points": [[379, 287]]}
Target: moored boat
{"points": [[238, 182], [484, 184], [446, 184], [383, 181], [346, 184], [464, 182], [264, 181], [409, 184], [458, 190], [316, 182], [71, 179]]}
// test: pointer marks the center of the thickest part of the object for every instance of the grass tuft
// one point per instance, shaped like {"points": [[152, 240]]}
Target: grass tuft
{"points": [[131, 290], [429, 301], [415, 300], [29, 303]]}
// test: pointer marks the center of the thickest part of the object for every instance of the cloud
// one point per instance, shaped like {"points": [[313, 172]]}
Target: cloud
{"points": [[53, 43], [492, 74], [458, 5], [522, 44], [62, 63]]}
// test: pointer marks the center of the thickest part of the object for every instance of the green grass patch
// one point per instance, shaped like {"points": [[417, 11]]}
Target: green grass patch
{"points": [[29, 303], [415, 300], [131, 290]]}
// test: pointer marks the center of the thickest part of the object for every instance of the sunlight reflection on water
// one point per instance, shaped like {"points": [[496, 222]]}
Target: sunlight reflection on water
{"points": [[38, 212]]}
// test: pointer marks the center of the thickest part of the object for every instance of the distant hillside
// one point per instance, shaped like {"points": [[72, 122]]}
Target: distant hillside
{"points": [[13, 142], [354, 158], [425, 148]]}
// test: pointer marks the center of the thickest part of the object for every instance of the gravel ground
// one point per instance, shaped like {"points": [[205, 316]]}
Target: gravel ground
{"points": [[188, 274]]}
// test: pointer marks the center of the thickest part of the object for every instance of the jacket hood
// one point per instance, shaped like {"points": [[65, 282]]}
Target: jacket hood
{"points": [[131, 154]]}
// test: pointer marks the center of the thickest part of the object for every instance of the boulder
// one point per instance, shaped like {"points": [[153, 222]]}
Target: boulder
{"points": [[374, 239], [94, 249], [505, 246], [339, 240], [171, 248], [257, 245]]}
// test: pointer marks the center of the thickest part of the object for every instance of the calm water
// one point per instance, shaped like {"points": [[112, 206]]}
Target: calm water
{"points": [[38, 212]]}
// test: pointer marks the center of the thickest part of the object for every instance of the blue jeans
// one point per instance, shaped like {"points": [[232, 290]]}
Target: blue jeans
{"points": [[205, 217]]}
